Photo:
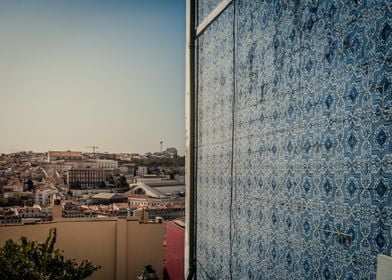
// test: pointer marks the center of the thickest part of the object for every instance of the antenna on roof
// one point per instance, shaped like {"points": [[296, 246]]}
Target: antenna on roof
{"points": [[93, 148]]}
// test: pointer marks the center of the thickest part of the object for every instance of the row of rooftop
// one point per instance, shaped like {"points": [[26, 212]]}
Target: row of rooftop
{"points": [[96, 186]]}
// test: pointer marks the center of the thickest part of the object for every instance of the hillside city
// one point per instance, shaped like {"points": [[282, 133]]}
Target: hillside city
{"points": [[90, 185]]}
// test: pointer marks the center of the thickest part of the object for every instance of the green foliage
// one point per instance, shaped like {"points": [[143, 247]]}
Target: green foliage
{"points": [[153, 162], [40, 261], [110, 179], [102, 185], [121, 182], [76, 185], [29, 185]]}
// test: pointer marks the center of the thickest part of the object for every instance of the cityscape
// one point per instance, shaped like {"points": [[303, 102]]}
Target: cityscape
{"points": [[69, 186], [92, 165], [90, 185]]}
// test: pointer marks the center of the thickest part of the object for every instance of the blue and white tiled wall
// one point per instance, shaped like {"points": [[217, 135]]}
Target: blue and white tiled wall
{"points": [[294, 139]]}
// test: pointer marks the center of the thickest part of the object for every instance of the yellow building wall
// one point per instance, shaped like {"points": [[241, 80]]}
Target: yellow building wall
{"points": [[148, 253], [122, 247]]}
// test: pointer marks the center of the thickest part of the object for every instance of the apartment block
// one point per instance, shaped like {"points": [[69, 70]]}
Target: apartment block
{"points": [[86, 178]]}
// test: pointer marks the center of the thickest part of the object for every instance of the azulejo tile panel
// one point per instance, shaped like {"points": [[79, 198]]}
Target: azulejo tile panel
{"points": [[214, 145], [294, 149]]}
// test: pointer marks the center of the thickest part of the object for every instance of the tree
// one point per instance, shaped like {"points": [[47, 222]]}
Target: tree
{"points": [[29, 185], [40, 261], [102, 185], [110, 179], [121, 184], [76, 185]]}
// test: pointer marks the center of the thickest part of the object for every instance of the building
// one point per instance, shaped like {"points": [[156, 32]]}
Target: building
{"points": [[289, 133], [65, 165], [171, 152], [95, 164], [153, 179], [43, 196], [166, 208], [165, 201], [35, 213], [174, 249], [85, 178], [142, 171], [167, 212], [64, 155], [104, 156], [158, 191], [106, 164], [79, 193], [9, 215], [127, 169], [108, 198], [16, 198], [57, 166]]}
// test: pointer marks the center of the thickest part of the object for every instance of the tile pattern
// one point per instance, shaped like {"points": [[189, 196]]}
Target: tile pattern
{"points": [[204, 8], [214, 143], [294, 149]]}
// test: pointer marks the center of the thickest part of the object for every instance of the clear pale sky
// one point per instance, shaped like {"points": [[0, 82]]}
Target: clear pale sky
{"points": [[77, 73]]}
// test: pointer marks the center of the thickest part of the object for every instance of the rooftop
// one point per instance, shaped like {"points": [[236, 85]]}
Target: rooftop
{"points": [[108, 196]]}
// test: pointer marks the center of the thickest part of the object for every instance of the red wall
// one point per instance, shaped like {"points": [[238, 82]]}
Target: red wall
{"points": [[174, 253]]}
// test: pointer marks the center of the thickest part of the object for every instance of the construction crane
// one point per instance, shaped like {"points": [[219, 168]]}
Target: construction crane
{"points": [[93, 148]]}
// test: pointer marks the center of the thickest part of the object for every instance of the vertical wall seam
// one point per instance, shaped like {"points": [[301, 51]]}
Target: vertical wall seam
{"points": [[232, 144], [196, 111]]}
